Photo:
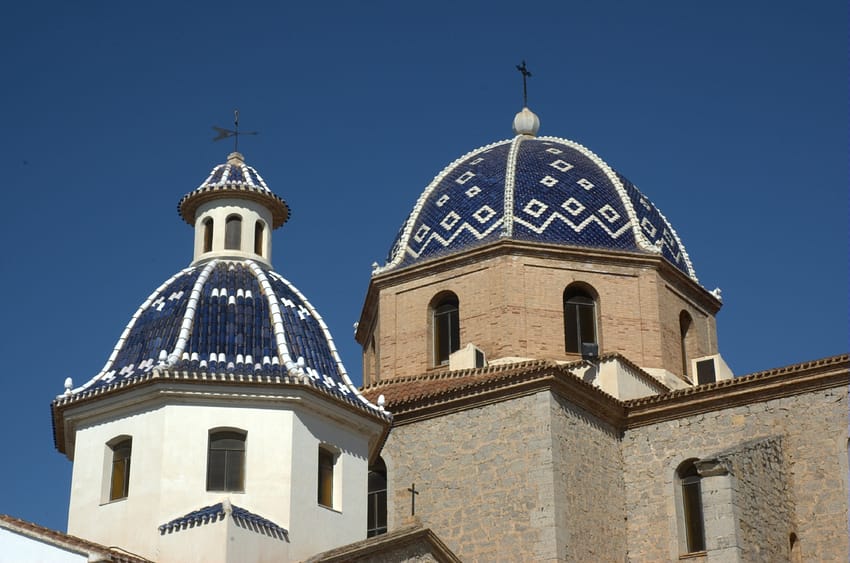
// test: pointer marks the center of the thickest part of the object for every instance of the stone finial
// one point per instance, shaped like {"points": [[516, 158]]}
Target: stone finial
{"points": [[526, 122], [69, 384]]}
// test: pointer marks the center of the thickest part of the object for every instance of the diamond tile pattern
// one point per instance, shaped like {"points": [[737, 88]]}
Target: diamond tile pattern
{"points": [[579, 223], [561, 193], [660, 230], [488, 175]]}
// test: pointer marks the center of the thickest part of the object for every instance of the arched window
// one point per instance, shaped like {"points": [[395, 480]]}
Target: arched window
{"points": [[233, 232], [685, 323], [119, 481], [690, 507], [226, 461], [327, 465], [208, 234], [446, 327], [259, 229], [377, 499], [579, 318]]}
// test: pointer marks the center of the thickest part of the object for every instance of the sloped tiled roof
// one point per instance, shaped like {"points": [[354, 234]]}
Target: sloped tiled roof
{"points": [[218, 512], [431, 394], [384, 547], [93, 551]]}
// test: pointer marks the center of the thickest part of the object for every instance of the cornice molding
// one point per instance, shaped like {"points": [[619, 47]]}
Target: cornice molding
{"points": [[528, 378]]}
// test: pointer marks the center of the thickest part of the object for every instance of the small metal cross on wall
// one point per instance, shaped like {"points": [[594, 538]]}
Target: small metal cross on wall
{"points": [[413, 493], [226, 133], [526, 74]]}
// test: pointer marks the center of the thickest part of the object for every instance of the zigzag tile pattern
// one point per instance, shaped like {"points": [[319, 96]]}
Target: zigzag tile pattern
{"points": [[533, 189]]}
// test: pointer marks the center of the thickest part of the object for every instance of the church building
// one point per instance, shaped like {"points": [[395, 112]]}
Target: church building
{"points": [[542, 381]]}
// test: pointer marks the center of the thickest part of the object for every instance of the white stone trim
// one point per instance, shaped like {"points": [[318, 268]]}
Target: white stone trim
{"points": [[351, 388], [675, 235], [189, 315], [121, 339], [277, 317], [510, 179]]}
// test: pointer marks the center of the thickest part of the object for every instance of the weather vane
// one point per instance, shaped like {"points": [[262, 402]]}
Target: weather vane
{"points": [[225, 133], [526, 74]]}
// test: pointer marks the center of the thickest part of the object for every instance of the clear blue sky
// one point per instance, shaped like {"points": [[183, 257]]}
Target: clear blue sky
{"points": [[731, 116]]}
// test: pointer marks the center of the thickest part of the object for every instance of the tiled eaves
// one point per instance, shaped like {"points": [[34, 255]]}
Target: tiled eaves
{"points": [[824, 373], [218, 512], [388, 542], [419, 398], [62, 403], [422, 387], [189, 203], [93, 551]]}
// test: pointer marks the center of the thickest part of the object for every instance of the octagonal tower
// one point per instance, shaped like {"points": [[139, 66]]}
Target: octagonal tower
{"points": [[223, 426], [535, 248]]}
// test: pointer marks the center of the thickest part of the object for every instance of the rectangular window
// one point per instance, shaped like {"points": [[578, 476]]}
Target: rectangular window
{"points": [[692, 505], [705, 372], [119, 485], [327, 460], [226, 461], [376, 512]]}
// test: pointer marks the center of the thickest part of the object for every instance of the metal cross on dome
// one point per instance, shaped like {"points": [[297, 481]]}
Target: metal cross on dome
{"points": [[526, 74], [226, 133]]}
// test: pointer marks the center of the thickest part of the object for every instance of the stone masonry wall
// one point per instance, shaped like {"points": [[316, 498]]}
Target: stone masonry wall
{"points": [[484, 477], [529, 479], [588, 485], [761, 497], [813, 428]]}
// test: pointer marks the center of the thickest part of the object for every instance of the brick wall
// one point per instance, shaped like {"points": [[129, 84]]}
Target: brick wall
{"points": [[512, 305]]}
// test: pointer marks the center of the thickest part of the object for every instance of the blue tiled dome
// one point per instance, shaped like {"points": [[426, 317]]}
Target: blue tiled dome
{"points": [[235, 178], [234, 317], [542, 189], [230, 317]]}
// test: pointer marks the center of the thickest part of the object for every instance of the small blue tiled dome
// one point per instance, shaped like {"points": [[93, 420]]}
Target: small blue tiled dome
{"points": [[229, 317], [542, 189], [236, 178]]}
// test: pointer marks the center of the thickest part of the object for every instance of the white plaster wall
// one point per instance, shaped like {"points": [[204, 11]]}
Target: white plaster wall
{"points": [[319, 528], [223, 541], [168, 471], [219, 210], [168, 468], [93, 517], [616, 379], [15, 548]]}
